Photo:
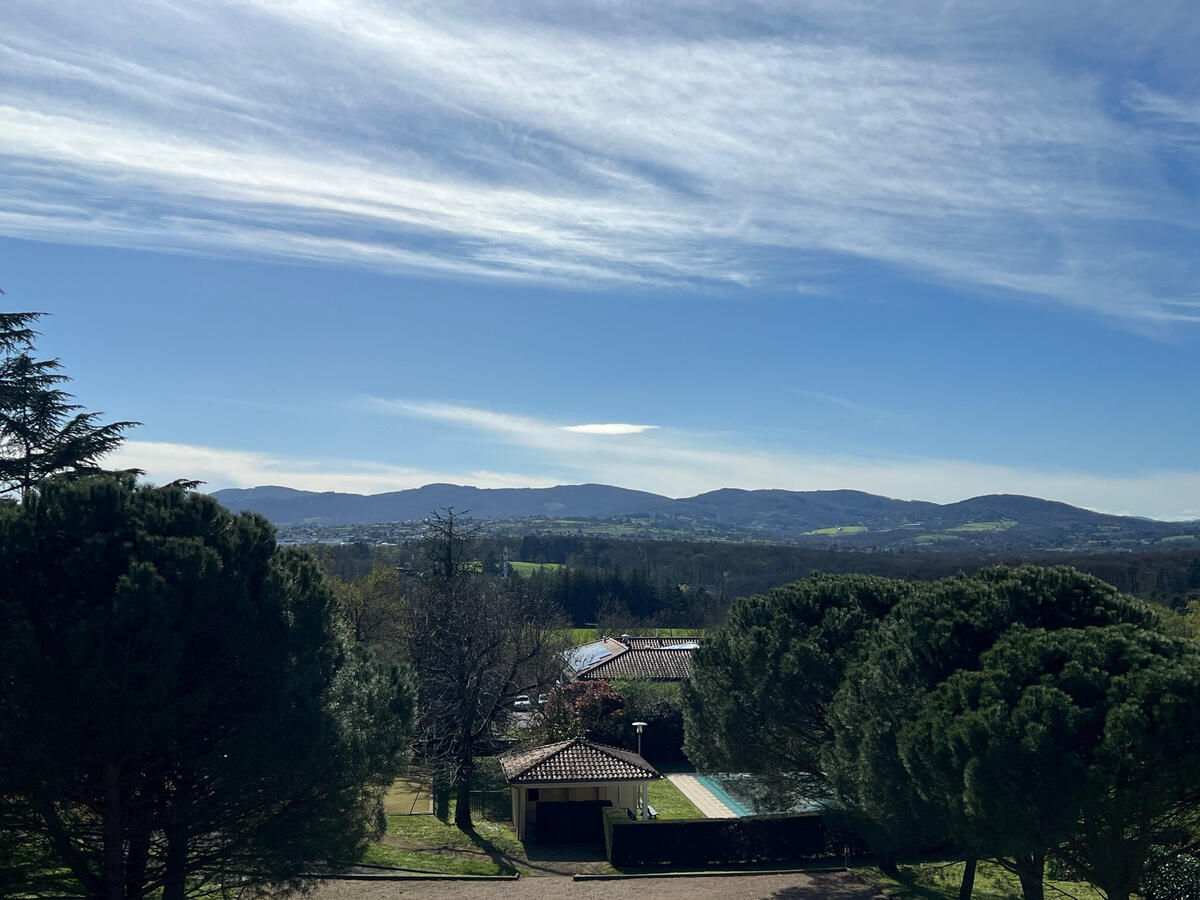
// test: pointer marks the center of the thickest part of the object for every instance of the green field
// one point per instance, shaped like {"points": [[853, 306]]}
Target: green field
{"points": [[840, 529], [998, 525], [527, 568], [935, 538], [1177, 539], [577, 636]]}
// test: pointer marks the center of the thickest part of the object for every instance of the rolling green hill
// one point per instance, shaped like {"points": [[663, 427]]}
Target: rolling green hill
{"points": [[851, 519]]}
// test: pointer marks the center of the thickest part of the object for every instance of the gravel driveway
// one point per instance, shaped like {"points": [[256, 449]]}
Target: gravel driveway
{"points": [[837, 885]]}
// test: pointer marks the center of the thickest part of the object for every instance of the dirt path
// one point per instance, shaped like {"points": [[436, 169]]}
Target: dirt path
{"points": [[834, 885]]}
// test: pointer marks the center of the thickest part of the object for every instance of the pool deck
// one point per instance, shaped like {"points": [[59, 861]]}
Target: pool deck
{"points": [[704, 799]]}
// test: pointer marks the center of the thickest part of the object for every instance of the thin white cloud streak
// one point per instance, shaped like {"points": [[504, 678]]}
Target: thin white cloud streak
{"points": [[850, 407], [679, 464], [1180, 116], [509, 142], [608, 428], [221, 468]]}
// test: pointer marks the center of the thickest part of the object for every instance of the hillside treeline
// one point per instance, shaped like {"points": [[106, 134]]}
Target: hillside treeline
{"points": [[691, 583]]}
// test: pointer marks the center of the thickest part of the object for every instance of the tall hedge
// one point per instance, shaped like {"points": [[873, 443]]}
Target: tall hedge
{"points": [[706, 842]]}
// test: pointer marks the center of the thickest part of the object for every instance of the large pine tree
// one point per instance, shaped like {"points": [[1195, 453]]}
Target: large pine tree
{"points": [[41, 431], [180, 711]]}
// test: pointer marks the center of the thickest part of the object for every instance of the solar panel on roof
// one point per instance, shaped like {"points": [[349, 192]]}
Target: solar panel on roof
{"points": [[587, 655]]}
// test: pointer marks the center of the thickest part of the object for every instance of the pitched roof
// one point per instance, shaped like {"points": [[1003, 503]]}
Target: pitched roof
{"points": [[575, 760], [638, 643], [579, 658], [657, 664]]}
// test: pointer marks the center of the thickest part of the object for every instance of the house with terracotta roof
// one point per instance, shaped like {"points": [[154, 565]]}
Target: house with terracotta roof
{"points": [[672, 663], [643, 663], [558, 789], [673, 642], [586, 655]]}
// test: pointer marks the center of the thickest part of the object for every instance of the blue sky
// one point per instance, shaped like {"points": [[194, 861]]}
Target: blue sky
{"points": [[928, 250]]}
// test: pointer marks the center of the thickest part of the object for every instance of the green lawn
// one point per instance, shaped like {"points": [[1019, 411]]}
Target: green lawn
{"points": [[940, 881], [670, 803], [840, 529], [1177, 538], [408, 794], [427, 844]]}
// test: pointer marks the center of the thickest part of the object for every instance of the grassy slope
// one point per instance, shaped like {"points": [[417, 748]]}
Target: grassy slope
{"points": [[427, 844], [940, 881], [998, 525]]}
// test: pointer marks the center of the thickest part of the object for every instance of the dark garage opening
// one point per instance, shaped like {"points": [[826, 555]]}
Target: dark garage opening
{"points": [[573, 822]]}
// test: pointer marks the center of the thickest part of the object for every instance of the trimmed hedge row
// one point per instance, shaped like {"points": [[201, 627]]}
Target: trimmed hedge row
{"points": [[704, 842]]}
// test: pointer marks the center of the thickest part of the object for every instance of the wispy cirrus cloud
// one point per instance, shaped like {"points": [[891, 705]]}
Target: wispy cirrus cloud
{"points": [[1176, 116], [601, 144], [220, 467], [850, 407]]}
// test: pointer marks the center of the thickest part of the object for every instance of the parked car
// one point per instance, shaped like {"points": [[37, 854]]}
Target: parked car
{"points": [[522, 703], [543, 699]]}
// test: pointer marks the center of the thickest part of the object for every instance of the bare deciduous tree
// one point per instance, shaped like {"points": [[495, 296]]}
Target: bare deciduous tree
{"points": [[475, 643]]}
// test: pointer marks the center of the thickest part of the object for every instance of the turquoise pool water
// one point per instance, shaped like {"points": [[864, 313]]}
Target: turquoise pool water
{"points": [[715, 783], [738, 792]]}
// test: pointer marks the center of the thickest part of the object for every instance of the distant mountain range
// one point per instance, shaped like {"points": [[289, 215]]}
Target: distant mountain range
{"points": [[845, 518]]}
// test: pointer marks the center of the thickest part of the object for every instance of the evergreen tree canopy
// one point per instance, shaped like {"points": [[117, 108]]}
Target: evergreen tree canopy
{"points": [[41, 431], [758, 698], [939, 630], [179, 708], [1078, 741]]}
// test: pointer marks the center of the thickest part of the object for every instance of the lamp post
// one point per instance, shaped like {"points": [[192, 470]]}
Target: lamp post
{"points": [[639, 726], [645, 784]]}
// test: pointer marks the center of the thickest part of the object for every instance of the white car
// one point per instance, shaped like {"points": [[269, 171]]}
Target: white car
{"points": [[522, 703]]}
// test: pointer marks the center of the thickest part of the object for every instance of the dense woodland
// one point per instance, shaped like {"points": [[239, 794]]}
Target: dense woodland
{"points": [[692, 583]]}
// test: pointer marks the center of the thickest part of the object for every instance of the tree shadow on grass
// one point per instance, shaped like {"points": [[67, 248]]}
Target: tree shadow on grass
{"points": [[913, 889], [501, 860], [827, 885]]}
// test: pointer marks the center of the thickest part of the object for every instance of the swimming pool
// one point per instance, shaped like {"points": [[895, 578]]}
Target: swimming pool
{"points": [[746, 795]]}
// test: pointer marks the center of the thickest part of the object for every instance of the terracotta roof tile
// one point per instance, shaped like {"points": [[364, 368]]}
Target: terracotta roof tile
{"points": [[638, 643], [575, 760], [653, 663]]}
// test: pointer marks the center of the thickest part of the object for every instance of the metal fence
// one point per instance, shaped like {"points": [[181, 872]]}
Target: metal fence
{"points": [[494, 806]]}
